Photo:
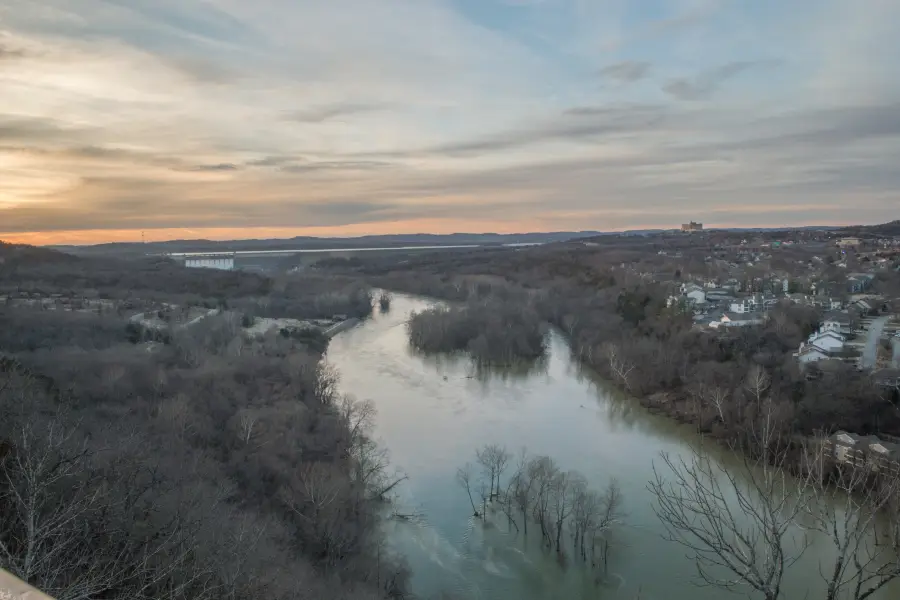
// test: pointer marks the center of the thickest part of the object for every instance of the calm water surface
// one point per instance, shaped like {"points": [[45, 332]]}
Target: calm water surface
{"points": [[433, 414]]}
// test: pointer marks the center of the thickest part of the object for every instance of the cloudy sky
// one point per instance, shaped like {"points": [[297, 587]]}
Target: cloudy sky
{"points": [[268, 118]]}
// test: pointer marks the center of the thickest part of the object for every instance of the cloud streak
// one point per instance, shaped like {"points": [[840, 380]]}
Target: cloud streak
{"points": [[626, 72], [705, 84]]}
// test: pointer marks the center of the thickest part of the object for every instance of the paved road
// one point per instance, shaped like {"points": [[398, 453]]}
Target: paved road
{"points": [[870, 351], [896, 342]]}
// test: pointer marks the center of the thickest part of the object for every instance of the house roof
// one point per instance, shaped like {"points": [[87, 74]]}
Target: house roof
{"points": [[812, 348], [832, 334], [749, 316], [865, 442], [837, 317]]}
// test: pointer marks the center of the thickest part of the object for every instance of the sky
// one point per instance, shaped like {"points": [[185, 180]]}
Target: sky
{"points": [[228, 119]]}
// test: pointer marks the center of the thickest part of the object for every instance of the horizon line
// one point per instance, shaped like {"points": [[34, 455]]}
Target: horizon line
{"points": [[134, 236]]}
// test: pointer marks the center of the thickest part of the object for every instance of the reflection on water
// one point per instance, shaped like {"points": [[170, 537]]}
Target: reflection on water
{"points": [[434, 411], [483, 372]]}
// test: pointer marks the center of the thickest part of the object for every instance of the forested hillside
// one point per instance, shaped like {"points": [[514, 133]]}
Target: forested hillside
{"points": [[191, 462]]}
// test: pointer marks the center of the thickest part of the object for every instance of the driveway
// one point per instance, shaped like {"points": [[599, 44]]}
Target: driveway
{"points": [[870, 350]]}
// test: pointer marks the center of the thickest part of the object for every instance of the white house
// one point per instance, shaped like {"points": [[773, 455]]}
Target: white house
{"points": [[747, 305], [696, 294], [838, 322], [731, 319], [829, 341], [810, 354]]}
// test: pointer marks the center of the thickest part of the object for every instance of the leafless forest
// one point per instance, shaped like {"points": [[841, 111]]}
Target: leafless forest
{"points": [[186, 462]]}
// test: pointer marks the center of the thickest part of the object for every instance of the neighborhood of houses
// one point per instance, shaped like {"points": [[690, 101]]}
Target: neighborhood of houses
{"points": [[858, 326], [857, 329], [866, 452]]}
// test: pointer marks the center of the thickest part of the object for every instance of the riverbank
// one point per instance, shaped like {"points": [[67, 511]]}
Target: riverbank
{"points": [[432, 415]]}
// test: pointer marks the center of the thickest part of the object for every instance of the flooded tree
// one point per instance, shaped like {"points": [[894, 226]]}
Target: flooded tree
{"points": [[464, 478], [493, 460], [384, 301], [745, 527], [538, 491]]}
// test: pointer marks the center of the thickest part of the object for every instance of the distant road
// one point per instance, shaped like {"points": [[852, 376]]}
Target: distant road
{"points": [[870, 351], [331, 250]]}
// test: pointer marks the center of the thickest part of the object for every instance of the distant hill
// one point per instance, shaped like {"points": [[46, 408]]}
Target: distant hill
{"points": [[369, 241], [890, 229], [20, 255]]}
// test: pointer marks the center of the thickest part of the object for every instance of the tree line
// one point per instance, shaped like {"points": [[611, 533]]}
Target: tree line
{"points": [[491, 331]]}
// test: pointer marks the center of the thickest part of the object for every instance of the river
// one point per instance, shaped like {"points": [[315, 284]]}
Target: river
{"points": [[434, 412]]}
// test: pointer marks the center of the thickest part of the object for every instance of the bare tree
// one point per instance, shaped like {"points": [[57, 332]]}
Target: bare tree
{"points": [[736, 523], [521, 488], [610, 514], [58, 530], [370, 462], [561, 501], [542, 471], [493, 460], [620, 368], [464, 478], [854, 508], [757, 383]]}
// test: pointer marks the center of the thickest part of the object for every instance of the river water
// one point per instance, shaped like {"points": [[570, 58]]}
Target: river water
{"points": [[434, 412]]}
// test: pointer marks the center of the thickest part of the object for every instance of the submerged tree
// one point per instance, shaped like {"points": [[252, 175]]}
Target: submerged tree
{"points": [[384, 301], [538, 491], [464, 478], [493, 460]]}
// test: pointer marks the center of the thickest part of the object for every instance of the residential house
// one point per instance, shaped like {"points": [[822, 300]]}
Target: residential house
{"points": [[821, 346], [862, 307], [829, 341], [732, 284], [811, 354], [733, 319], [849, 242], [858, 282], [707, 319], [749, 304], [839, 322], [869, 452], [694, 293]]}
